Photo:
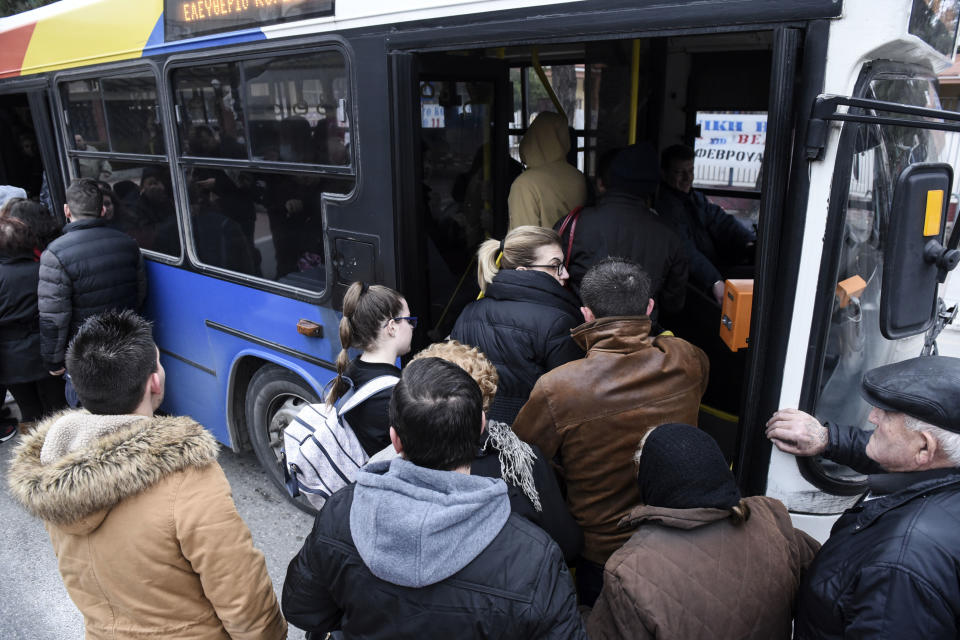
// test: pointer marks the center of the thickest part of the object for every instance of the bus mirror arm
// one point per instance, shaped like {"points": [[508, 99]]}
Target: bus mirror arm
{"points": [[945, 259]]}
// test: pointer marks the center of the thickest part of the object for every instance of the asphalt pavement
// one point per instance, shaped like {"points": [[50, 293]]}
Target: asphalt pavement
{"points": [[34, 604]]}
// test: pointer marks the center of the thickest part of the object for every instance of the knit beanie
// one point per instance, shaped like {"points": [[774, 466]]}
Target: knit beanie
{"points": [[681, 467], [635, 170]]}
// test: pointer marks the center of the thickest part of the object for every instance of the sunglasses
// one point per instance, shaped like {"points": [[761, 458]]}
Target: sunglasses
{"points": [[410, 319]]}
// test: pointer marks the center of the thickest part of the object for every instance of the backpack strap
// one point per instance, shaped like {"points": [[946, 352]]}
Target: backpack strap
{"points": [[570, 221], [365, 391]]}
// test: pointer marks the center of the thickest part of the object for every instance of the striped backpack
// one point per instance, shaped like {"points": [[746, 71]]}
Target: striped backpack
{"points": [[322, 454]]}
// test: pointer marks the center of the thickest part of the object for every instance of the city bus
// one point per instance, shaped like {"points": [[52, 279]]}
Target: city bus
{"points": [[267, 153]]}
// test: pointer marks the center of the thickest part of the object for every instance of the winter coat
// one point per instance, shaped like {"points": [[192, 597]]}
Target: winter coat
{"points": [[90, 269], [522, 324], [370, 420], [531, 486], [550, 187], [622, 225], [593, 412], [19, 321], [147, 537], [693, 573], [409, 552], [711, 236], [889, 568]]}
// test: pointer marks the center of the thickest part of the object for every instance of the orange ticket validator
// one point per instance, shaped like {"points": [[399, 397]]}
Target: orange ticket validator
{"points": [[735, 315]]}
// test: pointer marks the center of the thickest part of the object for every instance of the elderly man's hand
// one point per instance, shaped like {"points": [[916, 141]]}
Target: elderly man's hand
{"points": [[796, 432]]}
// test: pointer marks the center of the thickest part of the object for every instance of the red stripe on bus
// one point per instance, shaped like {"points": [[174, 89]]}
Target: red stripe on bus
{"points": [[14, 50]]}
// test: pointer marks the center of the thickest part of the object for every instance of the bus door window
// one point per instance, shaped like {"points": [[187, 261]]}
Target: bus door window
{"points": [[107, 119], [457, 119], [854, 342], [258, 220], [20, 162]]}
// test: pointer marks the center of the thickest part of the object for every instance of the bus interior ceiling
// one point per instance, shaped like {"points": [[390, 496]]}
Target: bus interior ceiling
{"points": [[20, 163], [682, 81]]}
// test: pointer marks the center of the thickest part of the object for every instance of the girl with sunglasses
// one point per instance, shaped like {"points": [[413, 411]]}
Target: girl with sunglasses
{"points": [[376, 320], [523, 318]]}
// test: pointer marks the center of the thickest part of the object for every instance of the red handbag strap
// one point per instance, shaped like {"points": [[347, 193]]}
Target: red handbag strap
{"points": [[570, 221]]}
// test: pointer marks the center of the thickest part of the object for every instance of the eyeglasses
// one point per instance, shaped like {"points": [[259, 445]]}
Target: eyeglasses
{"points": [[556, 266], [410, 319]]}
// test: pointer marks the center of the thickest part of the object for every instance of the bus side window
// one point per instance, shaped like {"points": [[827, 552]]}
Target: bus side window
{"points": [[261, 220], [116, 115]]}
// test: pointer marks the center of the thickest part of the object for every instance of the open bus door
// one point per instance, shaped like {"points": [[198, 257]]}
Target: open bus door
{"points": [[455, 124], [28, 150]]}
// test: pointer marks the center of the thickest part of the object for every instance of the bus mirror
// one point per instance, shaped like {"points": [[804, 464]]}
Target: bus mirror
{"points": [[915, 259]]}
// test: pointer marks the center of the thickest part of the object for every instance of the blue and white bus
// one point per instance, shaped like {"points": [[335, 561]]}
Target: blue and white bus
{"points": [[267, 153]]}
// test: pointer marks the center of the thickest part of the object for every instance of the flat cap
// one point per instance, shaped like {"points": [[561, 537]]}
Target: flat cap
{"points": [[926, 388]]}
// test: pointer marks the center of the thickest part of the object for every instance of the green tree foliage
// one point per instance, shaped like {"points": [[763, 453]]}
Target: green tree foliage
{"points": [[10, 7]]}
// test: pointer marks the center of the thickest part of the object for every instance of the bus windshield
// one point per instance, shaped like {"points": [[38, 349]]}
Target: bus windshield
{"points": [[854, 343]]}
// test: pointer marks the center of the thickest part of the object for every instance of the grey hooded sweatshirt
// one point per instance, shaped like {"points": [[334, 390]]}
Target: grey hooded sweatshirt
{"points": [[415, 526], [409, 552]]}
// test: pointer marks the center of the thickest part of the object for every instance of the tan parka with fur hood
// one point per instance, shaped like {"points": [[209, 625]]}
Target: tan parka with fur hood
{"points": [[147, 538]]}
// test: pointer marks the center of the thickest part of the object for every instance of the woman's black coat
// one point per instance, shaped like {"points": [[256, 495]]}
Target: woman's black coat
{"points": [[522, 325], [20, 359]]}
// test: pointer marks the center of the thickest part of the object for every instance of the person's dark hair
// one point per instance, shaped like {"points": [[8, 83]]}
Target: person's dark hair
{"points": [[42, 224], [365, 310], [436, 410], [84, 198], [616, 287], [16, 238], [110, 360], [675, 153]]}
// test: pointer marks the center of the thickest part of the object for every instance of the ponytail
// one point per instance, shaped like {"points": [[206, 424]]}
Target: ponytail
{"points": [[365, 308], [517, 249]]}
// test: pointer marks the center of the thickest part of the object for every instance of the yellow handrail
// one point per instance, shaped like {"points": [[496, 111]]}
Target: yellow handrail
{"points": [[535, 59]]}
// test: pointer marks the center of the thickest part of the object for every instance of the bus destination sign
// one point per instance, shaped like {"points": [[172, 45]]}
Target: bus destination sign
{"points": [[190, 18]]}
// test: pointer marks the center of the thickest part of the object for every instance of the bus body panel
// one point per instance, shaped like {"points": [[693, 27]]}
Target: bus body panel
{"points": [[200, 346]]}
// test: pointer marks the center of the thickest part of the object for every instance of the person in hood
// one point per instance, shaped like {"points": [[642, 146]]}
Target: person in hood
{"points": [[421, 548], [147, 538], [550, 188], [591, 413], [523, 319], [622, 224], [704, 562]]}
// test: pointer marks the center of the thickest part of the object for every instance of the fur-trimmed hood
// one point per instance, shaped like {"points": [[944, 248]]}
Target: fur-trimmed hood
{"points": [[77, 490]]}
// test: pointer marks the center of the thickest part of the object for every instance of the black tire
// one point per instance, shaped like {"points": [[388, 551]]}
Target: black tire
{"points": [[274, 398]]}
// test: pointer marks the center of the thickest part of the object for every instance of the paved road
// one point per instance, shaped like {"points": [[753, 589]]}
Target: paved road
{"points": [[33, 602]]}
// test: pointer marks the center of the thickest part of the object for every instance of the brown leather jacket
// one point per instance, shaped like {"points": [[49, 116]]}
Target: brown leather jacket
{"points": [[693, 573], [593, 413]]}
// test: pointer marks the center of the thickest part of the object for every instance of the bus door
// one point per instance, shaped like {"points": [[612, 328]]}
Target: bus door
{"points": [[28, 150], [459, 110]]}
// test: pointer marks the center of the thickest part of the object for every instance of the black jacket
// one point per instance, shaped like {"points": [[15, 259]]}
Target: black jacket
{"points": [[90, 269], [370, 420], [522, 325], [622, 225], [19, 321], [513, 589], [554, 516], [890, 567], [711, 236]]}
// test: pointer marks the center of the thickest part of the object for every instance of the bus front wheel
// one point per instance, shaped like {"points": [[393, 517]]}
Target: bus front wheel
{"points": [[274, 398]]}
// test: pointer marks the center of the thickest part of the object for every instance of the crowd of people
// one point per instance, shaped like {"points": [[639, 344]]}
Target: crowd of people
{"points": [[539, 474]]}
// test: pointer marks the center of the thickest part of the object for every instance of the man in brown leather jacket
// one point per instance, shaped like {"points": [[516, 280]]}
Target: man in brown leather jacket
{"points": [[589, 415]]}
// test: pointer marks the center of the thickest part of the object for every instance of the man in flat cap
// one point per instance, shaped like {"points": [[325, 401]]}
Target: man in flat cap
{"points": [[890, 568]]}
